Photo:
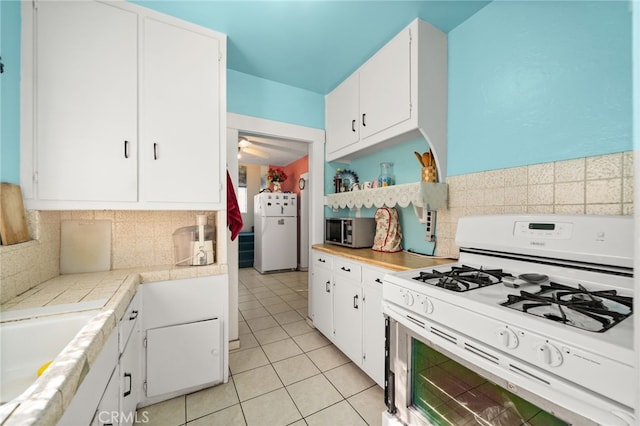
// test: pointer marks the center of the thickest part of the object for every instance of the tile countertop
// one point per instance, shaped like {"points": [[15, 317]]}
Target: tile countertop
{"points": [[45, 401], [400, 261]]}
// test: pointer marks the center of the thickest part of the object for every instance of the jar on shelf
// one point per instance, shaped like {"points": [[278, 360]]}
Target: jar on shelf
{"points": [[386, 177], [337, 182]]}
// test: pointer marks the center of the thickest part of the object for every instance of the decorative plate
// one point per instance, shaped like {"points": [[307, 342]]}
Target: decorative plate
{"points": [[348, 178]]}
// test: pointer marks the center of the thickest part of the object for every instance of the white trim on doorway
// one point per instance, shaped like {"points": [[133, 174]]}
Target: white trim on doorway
{"points": [[237, 123]]}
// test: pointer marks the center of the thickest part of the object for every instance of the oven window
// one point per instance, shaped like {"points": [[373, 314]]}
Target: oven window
{"points": [[447, 393]]}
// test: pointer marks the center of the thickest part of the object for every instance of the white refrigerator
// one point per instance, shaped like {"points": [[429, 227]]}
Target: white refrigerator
{"points": [[275, 230]]}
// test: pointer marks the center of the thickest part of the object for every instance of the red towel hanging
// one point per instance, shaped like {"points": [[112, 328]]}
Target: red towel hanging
{"points": [[234, 217]]}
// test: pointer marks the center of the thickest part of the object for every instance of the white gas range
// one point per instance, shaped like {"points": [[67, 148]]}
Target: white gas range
{"points": [[538, 305]]}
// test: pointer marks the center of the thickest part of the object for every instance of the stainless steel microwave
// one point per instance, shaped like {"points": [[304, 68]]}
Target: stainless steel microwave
{"points": [[354, 232]]}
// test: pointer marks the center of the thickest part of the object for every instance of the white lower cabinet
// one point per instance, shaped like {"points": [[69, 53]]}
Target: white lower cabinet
{"points": [[122, 394], [179, 345], [347, 318], [130, 379], [322, 296], [107, 412], [104, 398], [183, 356], [185, 336], [346, 306], [373, 323]]}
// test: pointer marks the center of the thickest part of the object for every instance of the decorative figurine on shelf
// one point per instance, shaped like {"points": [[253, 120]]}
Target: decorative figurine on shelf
{"points": [[276, 176]]}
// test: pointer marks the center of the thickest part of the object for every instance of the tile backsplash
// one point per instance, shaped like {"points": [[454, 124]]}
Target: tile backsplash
{"points": [[139, 238], [592, 185]]}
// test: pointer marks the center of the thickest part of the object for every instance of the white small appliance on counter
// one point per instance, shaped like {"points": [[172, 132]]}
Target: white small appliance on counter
{"points": [[194, 245]]}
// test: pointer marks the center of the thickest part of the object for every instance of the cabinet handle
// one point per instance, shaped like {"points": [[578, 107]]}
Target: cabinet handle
{"points": [[353, 126], [355, 302], [345, 269], [155, 151], [364, 123], [378, 280], [134, 315], [126, 149], [321, 260], [327, 287], [127, 376]]}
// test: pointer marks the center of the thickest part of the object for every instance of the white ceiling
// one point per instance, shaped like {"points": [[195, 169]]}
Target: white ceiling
{"points": [[265, 150]]}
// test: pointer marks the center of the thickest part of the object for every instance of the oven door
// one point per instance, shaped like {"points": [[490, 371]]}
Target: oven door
{"points": [[431, 382]]}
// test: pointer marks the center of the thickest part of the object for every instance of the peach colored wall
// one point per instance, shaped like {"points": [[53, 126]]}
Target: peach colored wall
{"points": [[293, 171]]}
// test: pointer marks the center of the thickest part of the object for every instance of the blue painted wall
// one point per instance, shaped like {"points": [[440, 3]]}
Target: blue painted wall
{"points": [[533, 82], [529, 82], [257, 97], [406, 170], [10, 92]]}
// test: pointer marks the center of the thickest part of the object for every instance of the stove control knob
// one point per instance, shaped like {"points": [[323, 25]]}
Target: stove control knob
{"points": [[549, 354], [507, 338], [408, 299], [427, 306]]}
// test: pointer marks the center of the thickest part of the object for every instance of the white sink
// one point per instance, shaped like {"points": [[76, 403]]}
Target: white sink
{"points": [[27, 344]]}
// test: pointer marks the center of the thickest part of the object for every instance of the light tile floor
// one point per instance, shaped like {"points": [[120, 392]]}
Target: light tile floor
{"points": [[284, 373]]}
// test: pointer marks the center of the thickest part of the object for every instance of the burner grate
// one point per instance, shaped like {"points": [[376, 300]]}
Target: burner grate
{"points": [[595, 311], [462, 278]]}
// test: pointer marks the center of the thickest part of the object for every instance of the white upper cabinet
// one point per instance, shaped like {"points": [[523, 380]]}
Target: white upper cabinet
{"points": [[398, 94], [385, 87], [129, 109], [342, 111], [180, 128], [86, 102]]}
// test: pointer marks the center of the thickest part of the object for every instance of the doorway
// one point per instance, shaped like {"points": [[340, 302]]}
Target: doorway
{"points": [[314, 139]]}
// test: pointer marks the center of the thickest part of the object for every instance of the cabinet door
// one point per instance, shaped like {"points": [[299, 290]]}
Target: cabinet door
{"points": [[180, 112], [347, 300], [86, 101], [385, 89], [108, 412], [130, 379], [342, 114], [183, 357], [373, 334], [321, 289], [173, 302]]}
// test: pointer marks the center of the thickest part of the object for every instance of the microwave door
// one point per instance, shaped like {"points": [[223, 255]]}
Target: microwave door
{"points": [[346, 232], [333, 231]]}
